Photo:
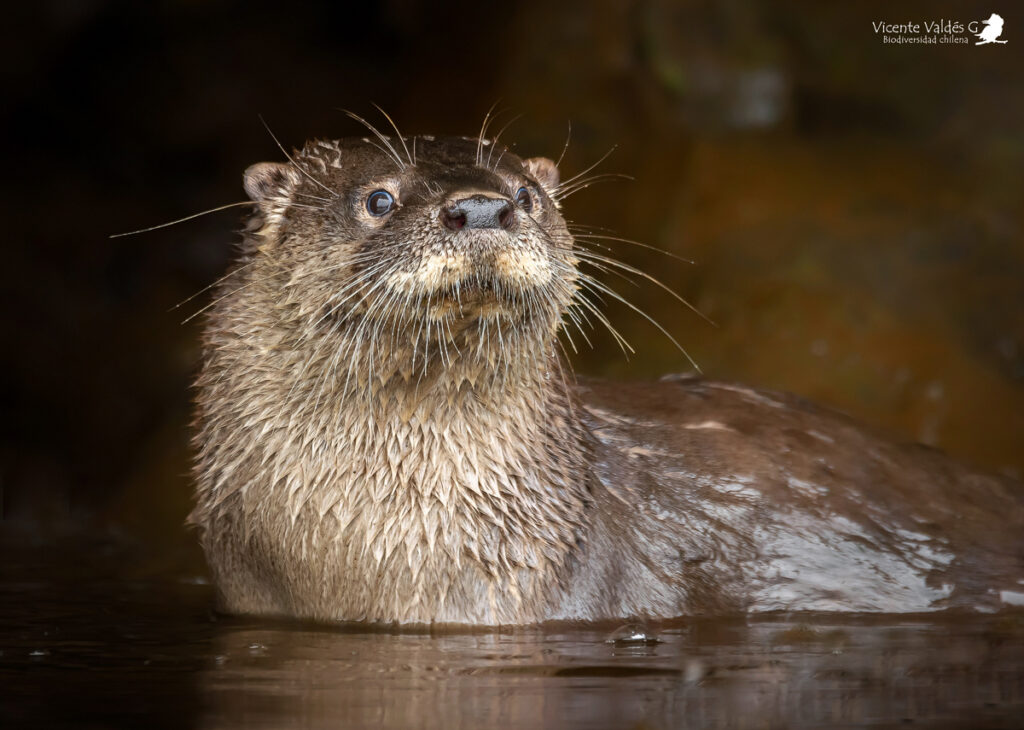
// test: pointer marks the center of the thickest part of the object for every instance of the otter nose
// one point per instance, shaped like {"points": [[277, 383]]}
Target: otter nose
{"points": [[478, 211]]}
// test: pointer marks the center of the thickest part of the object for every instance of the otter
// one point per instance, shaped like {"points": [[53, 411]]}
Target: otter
{"points": [[388, 432]]}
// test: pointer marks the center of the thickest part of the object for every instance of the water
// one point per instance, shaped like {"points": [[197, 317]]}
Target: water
{"points": [[104, 640]]}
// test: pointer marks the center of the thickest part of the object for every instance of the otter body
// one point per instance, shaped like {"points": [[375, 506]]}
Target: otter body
{"points": [[386, 431]]}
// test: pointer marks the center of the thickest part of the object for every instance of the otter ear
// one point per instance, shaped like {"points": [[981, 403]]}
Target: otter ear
{"points": [[543, 171], [270, 181]]}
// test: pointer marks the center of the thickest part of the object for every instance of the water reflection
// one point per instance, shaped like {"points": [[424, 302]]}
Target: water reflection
{"points": [[809, 671], [88, 650]]}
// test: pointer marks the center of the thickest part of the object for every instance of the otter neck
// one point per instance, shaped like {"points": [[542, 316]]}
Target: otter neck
{"points": [[447, 481]]}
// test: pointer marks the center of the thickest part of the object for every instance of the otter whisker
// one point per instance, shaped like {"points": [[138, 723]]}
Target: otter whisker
{"points": [[391, 310], [395, 321], [308, 333], [555, 241], [222, 298], [234, 272], [364, 299], [574, 318], [326, 375], [426, 343], [353, 358], [615, 295], [315, 197], [384, 151], [419, 330], [584, 254], [622, 342], [300, 168], [576, 177], [566, 272], [424, 303], [503, 348], [346, 293], [373, 338], [578, 314], [498, 161], [447, 336], [572, 343], [597, 260], [565, 147], [566, 190], [401, 139], [483, 133], [358, 341], [181, 220], [592, 236], [582, 300], [305, 207], [603, 268], [377, 133], [496, 138]]}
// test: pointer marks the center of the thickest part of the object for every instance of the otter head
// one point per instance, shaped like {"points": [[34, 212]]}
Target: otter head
{"points": [[451, 252]]}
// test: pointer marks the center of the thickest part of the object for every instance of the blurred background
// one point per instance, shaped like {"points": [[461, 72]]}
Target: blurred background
{"points": [[853, 209]]}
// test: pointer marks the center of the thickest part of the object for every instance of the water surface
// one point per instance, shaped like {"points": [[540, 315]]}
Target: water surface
{"points": [[93, 638]]}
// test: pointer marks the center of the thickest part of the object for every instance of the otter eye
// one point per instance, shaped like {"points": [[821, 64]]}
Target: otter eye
{"points": [[524, 200], [380, 202]]}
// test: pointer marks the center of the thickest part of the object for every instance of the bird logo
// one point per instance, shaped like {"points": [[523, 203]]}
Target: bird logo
{"points": [[992, 30]]}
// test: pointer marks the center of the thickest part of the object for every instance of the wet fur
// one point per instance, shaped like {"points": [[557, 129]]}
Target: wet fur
{"points": [[370, 449], [386, 432]]}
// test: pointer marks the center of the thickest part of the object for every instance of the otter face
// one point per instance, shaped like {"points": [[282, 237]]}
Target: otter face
{"points": [[453, 237]]}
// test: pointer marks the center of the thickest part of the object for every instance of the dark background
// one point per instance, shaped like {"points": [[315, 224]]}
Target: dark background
{"points": [[854, 210]]}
